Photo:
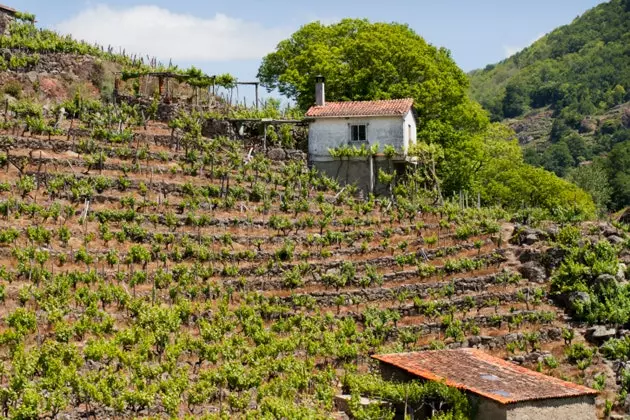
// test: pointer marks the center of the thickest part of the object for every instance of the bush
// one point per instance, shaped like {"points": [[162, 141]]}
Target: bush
{"points": [[13, 88]]}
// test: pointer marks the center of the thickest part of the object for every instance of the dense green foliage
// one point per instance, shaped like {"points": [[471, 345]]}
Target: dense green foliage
{"points": [[577, 68], [580, 71], [590, 269], [491, 165], [365, 61], [431, 398]]}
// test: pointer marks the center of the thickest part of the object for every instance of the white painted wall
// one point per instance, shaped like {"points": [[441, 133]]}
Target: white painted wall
{"points": [[410, 130], [328, 133]]}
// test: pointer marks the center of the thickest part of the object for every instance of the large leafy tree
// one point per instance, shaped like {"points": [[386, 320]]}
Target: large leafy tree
{"points": [[363, 60]]}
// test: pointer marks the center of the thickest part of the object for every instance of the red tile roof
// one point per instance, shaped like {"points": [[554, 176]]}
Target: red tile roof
{"points": [[391, 107], [479, 373]]}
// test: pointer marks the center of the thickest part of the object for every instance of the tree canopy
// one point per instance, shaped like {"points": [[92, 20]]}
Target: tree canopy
{"points": [[583, 67], [581, 73], [362, 60]]}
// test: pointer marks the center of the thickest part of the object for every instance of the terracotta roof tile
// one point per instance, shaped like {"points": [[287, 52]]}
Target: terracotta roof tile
{"points": [[392, 107], [479, 373]]}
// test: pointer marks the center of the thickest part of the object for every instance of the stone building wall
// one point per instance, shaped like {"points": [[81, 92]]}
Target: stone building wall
{"points": [[5, 21], [577, 408]]}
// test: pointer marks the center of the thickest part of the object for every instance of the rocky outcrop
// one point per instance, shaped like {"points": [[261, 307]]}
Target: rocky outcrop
{"points": [[214, 128], [277, 154], [525, 235], [599, 334], [534, 272]]}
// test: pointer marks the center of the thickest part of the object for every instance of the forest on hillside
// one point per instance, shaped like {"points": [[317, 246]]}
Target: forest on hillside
{"points": [[581, 73]]}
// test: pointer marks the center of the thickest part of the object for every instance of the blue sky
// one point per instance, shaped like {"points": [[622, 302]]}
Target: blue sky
{"points": [[231, 36]]}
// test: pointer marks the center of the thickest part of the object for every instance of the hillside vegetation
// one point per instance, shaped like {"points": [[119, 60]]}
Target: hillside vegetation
{"points": [[567, 92], [148, 270]]}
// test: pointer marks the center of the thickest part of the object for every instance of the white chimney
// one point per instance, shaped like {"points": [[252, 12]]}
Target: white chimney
{"points": [[320, 93]]}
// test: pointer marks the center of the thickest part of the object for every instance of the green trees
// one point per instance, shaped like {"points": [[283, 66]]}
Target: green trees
{"points": [[363, 60], [546, 72], [586, 122], [619, 173], [594, 180], [491, 165]]}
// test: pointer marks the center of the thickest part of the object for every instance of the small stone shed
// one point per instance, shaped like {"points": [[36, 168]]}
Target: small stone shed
{"points": [[501, 390]]}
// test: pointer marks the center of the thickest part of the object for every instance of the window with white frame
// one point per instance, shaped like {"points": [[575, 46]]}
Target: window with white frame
{"points": [[358, 132]]}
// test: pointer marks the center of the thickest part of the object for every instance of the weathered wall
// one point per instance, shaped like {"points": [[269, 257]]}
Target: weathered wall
{"points": [[488, 409], [327, 133], [578, 408], [359, 171]]}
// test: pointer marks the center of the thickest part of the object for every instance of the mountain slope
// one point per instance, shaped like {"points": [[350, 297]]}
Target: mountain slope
{"points": [[566, 95], [578, 66]]}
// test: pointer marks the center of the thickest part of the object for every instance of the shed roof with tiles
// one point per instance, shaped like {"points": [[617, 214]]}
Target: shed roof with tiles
{"points": [[474, 371]]}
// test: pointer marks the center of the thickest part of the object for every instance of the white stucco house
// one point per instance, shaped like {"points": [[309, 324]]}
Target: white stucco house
{"points": [[356, 123]]}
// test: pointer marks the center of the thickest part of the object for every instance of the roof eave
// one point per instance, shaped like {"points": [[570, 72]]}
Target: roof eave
{"points": [[357, 116]]}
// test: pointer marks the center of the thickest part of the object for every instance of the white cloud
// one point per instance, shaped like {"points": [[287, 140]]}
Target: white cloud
{"points": [[510, 50], [155, 31]]}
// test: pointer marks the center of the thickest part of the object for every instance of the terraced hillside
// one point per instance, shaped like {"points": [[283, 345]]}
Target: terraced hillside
{"points": [[154, 272]]}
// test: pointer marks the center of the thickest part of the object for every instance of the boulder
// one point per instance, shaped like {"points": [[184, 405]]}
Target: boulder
{"points": [[474, 340], [588, 125], [524, 235], [536, 356], [615, 240], [625, 117], [276, 154], [554, 334], [606, 279], [32, 76], [296, 154], [533, 272], [529, 254], [575, 299], [553, 258], [599, 334], [552, 231], [625, 217], [530, 239]]}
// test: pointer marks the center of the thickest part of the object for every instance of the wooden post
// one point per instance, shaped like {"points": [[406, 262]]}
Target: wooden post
{"points": [[265, 137], [256, 86]]}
